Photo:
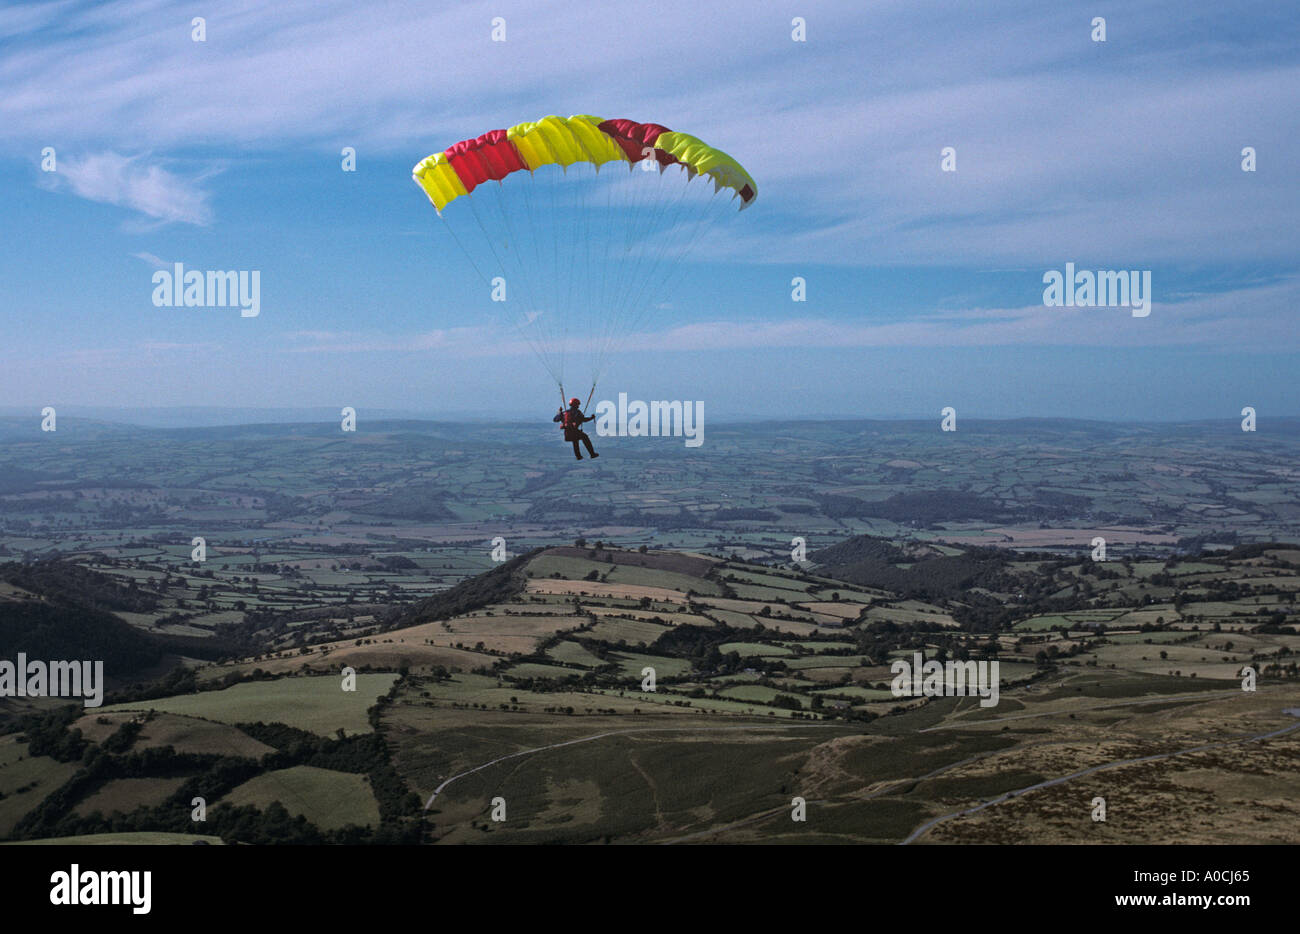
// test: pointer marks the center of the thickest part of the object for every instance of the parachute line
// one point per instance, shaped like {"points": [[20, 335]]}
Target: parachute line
{"points": [[585, 269]]}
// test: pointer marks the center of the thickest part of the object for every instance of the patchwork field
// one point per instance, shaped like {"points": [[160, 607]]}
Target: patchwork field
{"points": [[521, 685], [316, 704]]}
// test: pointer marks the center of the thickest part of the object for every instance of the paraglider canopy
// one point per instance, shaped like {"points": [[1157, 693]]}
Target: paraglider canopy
{"points": [[574, 259]]}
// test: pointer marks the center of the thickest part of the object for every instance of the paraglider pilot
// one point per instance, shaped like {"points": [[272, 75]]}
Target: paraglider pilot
{"points": [[571, 420]]}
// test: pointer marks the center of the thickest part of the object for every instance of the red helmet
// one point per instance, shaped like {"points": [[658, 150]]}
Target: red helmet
{"points": [[575, 401]]}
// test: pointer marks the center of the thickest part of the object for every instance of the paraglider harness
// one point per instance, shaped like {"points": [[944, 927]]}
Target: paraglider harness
{"points": [[571, 420]]}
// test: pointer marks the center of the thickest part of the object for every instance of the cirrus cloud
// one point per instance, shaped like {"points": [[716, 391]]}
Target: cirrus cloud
{"points": [[134, 183]]}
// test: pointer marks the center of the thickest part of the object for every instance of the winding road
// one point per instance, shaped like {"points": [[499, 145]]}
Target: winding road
{"points": [[645, 729]]}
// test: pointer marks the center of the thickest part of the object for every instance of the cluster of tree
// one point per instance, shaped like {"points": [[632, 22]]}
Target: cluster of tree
{"points": [[1255, 549], [51, 733], [423, 501], [65, 631], [729, 514], [698, 643], [63, 582], [1196, 544], [554, 685], [803, 509], [15, 479], [922, 507], [124, 736], [578, 512], [873, 562], [47, 506], [124, 515]]}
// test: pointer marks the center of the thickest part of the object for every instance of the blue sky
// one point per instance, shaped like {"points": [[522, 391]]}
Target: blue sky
{"points": [[924, 287]]}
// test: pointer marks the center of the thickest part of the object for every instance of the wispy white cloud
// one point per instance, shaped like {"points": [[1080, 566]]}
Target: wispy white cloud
{"points": [[1245, 319], [179, 346], [465, 341], [1065, 146], [135, 183], [152, 260]]}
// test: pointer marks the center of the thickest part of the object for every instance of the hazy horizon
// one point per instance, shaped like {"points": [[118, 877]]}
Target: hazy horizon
{"points": [[221, 416]]}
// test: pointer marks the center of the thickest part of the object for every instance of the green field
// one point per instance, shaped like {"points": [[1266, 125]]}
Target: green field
{"points": [[826, 661], [326, 798], [135, 838], [25, 780], [632, 631], [755, 692], [631, 663], [571, 653], [316, 704], [857, 693], [126, 794], [746, 649], [535, 670]]}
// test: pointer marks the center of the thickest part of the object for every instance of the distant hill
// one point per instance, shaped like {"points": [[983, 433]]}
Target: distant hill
{"points": [[693, 565], [494, 586], [70, 584], [922, 506], [861, 548], [15, 479], [48, 631], [873, 562], [74, 619], [419, 501]]}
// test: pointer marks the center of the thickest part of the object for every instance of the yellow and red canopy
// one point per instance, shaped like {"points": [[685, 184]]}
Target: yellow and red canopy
{"points": [[564, 141]]}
